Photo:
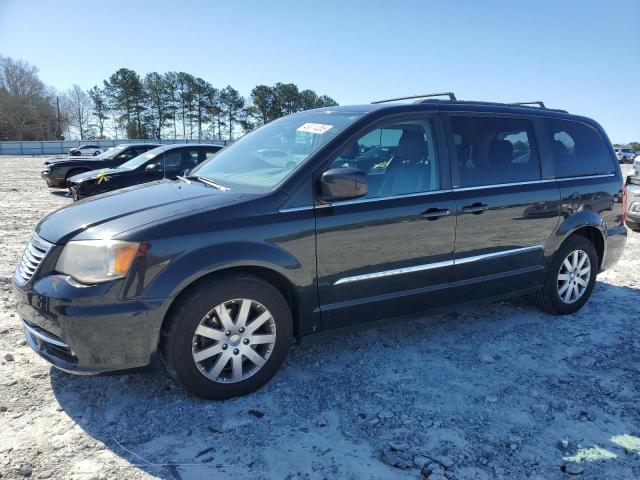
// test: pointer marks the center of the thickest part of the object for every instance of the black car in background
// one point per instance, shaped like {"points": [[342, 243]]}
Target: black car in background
{"points": [[57, 171], [356, 213], [167, 161]]}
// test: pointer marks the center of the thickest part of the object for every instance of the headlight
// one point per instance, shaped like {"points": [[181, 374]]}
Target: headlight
{"points": [[94, 261]]}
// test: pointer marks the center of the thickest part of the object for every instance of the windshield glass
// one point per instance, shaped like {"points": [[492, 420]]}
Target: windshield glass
{"points": [[135, 162], [263, 158], [111, 153]]}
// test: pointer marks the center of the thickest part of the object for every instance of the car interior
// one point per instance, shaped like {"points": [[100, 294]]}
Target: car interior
{"points": [[488, 154], [398, 160]]}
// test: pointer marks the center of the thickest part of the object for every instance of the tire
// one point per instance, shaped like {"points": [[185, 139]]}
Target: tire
{"points": [[549, 297], [96, 153], [197, 311]]}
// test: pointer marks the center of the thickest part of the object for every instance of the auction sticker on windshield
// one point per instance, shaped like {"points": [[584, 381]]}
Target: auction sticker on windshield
{"points": [[317, 128]]}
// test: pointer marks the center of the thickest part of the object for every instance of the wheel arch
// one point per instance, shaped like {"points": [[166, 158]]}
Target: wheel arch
{"points": [[587, 224], [269, 275]]}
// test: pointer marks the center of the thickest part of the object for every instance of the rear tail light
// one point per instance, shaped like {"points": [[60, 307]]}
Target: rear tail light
{"points": [[623, 217]]}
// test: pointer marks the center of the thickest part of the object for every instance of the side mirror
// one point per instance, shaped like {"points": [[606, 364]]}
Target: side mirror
{"points": [[342, 184], [152, 167]]}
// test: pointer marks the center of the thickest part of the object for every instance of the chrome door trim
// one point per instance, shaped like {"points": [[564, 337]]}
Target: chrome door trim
{"points": [[502, 253], [532, 182], [448, 190], [601, 175], [391, 197], [499, 185], [395, 271], [364, 200], [431, 266], [296, 209]]}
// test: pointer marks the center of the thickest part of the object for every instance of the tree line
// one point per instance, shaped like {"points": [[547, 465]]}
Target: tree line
{"points": [[127, 105]]}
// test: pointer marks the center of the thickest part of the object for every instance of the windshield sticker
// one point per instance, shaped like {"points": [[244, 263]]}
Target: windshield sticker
{"points": [[316, 128]]}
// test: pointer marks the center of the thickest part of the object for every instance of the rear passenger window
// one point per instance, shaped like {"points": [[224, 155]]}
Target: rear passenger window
{"points": [[578, 149], [491, 150]]}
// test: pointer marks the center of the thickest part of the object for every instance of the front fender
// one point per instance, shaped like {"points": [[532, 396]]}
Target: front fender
{"points": [[190, 265]]}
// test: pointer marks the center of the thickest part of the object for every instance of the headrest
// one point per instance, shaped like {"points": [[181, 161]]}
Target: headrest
{"points": [[412, 146], [500, 152]]}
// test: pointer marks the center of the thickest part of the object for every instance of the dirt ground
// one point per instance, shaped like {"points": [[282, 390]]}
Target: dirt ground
{"points": [[501, 391]]}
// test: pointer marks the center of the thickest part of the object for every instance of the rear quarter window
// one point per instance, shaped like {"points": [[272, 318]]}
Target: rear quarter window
{"points": [[578, 149]]}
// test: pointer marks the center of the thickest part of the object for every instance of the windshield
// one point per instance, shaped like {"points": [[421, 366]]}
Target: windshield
{"points": [[135, 162], [263, 158], [111, 153]]}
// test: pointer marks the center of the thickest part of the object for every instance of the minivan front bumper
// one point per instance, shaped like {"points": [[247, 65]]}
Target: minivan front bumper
{"points": [[83, 330]]}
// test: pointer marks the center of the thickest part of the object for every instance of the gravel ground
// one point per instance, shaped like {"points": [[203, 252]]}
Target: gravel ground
{"points": [[498, 391]]}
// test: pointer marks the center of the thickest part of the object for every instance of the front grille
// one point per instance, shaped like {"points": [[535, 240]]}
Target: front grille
{"points": [[34, 253]]}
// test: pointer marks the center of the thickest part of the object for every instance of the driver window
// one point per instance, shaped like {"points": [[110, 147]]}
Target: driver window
{"points": [[172, 161], [398, 158]]}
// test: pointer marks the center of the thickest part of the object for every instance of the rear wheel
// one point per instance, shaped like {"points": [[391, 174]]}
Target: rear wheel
{"points": [[571, 277], [227, 337], [96, 153]]}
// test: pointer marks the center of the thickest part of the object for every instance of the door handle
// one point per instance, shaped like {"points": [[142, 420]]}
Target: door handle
{"points": [[477, 208], [435, 213]]}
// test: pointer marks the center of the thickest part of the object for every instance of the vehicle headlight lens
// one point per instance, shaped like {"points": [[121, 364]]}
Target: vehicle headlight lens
{"points": [[95, 261]]}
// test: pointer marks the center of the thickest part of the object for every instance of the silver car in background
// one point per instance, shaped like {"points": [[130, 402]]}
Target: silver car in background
{"points": [[624, 155], [633, 196]]}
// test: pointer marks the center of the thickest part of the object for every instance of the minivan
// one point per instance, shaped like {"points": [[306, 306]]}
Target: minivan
{"points": [[384, 210]]}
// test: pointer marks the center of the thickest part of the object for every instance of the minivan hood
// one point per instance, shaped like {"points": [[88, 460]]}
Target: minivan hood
{"points": [[109, 214]]}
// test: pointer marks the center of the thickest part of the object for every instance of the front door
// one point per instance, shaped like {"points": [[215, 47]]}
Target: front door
{"points": [[506, 211], [389, 253]]}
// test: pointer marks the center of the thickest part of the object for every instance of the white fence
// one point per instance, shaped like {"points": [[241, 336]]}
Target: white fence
{"points": [[62, 147]]}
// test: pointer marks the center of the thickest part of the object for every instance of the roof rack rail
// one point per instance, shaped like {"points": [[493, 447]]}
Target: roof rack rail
{"points": [[524, 104], [451, 96]]}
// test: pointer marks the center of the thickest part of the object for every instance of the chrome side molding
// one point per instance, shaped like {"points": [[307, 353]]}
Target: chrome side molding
{"points": [[431, 266], [396, 271]]}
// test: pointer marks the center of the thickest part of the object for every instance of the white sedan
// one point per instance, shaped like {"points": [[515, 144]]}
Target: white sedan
{"points": [[89, 149]]}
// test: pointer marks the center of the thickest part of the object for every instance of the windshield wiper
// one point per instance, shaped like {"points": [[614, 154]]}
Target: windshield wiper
{"points": [[184, 179], [206, 181]]}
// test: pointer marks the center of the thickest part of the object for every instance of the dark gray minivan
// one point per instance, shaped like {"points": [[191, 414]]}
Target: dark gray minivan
{"points": [[319, 220]]}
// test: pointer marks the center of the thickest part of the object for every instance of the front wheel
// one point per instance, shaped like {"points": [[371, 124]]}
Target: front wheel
{"points": [[227, 337], [571, 277], [96, 153]]}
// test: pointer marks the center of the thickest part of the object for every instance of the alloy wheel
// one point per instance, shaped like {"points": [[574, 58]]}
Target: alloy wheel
{"points": [[234, 340], [573, 276]]}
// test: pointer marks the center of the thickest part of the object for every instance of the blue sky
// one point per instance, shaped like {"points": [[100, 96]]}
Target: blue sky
{"points": [[580, 55]]}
